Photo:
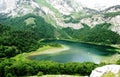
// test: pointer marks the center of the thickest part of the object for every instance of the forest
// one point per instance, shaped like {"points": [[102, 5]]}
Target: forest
{"points": [[98, 34], [15, 40]]}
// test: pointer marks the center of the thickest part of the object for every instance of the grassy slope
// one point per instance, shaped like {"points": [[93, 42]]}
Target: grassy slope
{"points": [[111, 14], [110, 74], [30, 21], [49, 18], [43, 50], [24, 55], [44, 3]]}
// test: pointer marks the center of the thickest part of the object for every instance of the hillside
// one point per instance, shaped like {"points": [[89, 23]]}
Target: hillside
{"points": [[64, 13], [29, 25]]}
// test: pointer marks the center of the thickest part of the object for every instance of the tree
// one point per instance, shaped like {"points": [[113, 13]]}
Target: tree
{"points": [[118, 62], [40, 73], [9, 75]]}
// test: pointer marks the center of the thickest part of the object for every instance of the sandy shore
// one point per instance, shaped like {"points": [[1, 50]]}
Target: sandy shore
{"points": [[48, 50]]}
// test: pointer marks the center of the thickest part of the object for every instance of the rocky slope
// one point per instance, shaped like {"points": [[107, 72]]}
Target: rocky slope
{"points": [[23, 6], [65, 13], [100, 18], [100, 71]]}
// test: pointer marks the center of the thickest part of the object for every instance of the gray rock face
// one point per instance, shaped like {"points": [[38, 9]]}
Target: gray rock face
{"points": [[17, 7], [55, 10], [66, 6], [2, 5], [7, 5], [100, 71]]}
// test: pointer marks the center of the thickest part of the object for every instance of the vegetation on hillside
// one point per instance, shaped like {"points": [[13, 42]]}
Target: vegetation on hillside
{"points": [[110, 74], [98, 34], [18, 38], [75, 17], [15, 68], [40, 26], [28, 68], [111, 14]]}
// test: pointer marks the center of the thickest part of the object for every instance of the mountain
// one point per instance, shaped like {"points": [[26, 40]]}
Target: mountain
{"points": [[61, 13], [28, 6], [112, 9], [30, 25], [51, 11]]}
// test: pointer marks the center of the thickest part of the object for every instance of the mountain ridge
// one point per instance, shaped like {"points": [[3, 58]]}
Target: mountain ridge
{"points": [[64, 13]]}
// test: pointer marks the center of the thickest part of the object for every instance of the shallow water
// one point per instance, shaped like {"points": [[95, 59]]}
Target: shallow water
{"points": [[78, 52]]}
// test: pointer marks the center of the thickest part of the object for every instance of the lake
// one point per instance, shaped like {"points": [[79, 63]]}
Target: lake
{"points": [[77, 52]]}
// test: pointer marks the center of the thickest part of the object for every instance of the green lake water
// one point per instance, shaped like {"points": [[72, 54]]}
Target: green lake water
{"points": [[78, 52]]}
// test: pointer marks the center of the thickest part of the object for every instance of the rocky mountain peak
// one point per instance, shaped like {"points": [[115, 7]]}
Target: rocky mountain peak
{"points": [[65, 13], [7, 5], [27, 6], [112, 9], [17, 7], [66, 6]]}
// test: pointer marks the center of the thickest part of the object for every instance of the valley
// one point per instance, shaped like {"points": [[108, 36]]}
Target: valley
{"points": [[57, 38]]}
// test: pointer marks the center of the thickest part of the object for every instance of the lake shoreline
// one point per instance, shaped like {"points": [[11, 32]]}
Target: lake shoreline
{"points": [[92, 43], [117, 46], [52, 50], [116, 49], [48, 50]]}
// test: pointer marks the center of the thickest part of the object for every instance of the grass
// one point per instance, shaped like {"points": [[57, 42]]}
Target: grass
{"points": [[78, 15], [111, 14], [44, 3], [75, 17], [49, 18], [117, 46], [23, 56], [110, 74], [30, 21], [48, 50], [119, 74], [113, 59], [43, 50]]}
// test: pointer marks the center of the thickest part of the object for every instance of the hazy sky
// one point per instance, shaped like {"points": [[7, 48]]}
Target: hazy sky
{"points": [[97, 3]]}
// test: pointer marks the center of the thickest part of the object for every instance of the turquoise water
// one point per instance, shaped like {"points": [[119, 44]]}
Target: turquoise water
{"points": [[78, 52]]}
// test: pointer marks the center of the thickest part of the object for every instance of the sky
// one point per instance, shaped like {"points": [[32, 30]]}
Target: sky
{"points": [[99, 3]]}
